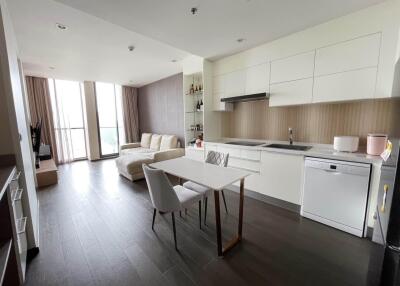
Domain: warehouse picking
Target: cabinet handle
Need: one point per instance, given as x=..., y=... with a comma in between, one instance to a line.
x=383, y=206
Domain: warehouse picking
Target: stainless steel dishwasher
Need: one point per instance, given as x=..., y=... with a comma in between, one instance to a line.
x=336, y=193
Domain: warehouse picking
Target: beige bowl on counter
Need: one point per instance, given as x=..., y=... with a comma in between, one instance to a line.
x=345, y=143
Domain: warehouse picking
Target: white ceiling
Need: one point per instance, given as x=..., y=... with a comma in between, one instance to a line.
x=90, y=49
x=213, y=31
x=94, y=47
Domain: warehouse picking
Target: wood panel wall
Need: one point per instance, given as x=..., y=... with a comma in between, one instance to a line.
x=314, y=123
x=161, y=107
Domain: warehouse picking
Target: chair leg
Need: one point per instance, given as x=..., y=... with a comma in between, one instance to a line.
x=223, y=197
x=174, y=229
x=200, y=214
x=154, y=218
x=205, y=209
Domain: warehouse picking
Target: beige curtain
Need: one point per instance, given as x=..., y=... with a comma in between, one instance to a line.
x=131, y=115
x=40, y=109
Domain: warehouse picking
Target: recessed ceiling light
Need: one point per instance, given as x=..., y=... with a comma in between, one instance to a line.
x=131, y=48
x=61, y=26
x=240, y=40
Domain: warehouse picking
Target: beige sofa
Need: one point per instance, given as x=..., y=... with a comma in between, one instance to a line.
x=151, y=148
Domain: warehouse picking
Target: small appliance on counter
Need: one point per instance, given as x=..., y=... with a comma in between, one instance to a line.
x=345, y=143
x=376, y=144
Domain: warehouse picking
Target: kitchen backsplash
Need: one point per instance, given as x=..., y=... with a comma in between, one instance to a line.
x=314, y=123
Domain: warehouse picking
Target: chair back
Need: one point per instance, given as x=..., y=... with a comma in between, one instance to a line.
x=162, y=193
x=217, y=158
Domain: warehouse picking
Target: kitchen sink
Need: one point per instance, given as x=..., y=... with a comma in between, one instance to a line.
x=289, y=147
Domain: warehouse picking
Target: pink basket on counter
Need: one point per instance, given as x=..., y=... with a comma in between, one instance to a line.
x=376, y=143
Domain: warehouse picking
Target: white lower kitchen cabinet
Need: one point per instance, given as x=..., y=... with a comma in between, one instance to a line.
x=281, y=176
x=195, y=153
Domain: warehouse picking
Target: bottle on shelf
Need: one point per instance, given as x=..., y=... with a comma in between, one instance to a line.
x=201, y=105
x=191, y=89
x=200, y=87
x=198, y=106
x=196, y=89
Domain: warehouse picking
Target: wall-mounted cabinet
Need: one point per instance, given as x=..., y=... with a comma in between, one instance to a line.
x=296, y=67
x=219, y=93
x=351, y=85
x=251, y=80
x=291, y=93
x=358, y=53
x=235, y=83
x=257, y=79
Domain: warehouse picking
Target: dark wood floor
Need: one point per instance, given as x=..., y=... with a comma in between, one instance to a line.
x=95, y=229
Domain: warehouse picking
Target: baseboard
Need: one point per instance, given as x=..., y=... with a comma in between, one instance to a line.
x=267, y=199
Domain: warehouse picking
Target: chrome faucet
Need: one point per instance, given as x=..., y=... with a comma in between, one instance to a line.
x=290, y=136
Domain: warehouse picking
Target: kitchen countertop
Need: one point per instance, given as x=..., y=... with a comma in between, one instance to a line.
x=325, y=151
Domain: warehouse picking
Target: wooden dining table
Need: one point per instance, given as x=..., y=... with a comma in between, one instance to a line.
x=214, y=177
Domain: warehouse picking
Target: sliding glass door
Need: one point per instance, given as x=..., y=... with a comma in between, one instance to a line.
x=67, y=105
x=109, y=116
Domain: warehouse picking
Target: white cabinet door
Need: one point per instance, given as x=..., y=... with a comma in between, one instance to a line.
x=291, y=92
x=281, y=176
x=235, y=83
x=219, y=83
x=257, y=79
x=219, y=93
x=352, y=85
x=292, y=68
x=350, y=55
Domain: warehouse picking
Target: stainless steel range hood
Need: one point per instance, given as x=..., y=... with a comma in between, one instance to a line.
x=248, y=97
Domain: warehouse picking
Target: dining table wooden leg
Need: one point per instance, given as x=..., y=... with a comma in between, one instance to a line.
x=218, y=223
x=241, y=201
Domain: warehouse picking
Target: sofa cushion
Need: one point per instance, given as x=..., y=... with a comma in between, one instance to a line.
x=155, y=142
x=137, y=150
x=168, y=142
x=146, y=139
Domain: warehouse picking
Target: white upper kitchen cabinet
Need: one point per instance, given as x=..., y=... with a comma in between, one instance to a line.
x=291, y=93
x=351, y=85
x=235, y=83
x=362, y=52
x=219, y=93
x=257, y=79
x=293, y=68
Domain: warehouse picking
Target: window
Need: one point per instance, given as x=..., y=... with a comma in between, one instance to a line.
x=67, y=104
x=109, y=116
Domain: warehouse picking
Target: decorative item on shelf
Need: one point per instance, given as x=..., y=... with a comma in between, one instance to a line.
x=196, y=89
x=191, y=91
x=199, y=141
x=198, y=106
x=201, y=105
x=200, y=87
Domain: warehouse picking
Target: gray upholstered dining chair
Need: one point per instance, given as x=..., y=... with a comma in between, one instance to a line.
x=167, y=198
x=215, y=158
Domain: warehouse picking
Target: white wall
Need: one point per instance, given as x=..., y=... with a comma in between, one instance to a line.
x=12, y=96
x=384, y=18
